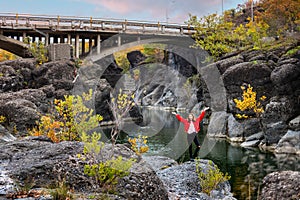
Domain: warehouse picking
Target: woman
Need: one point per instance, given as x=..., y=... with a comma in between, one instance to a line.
x=192, y=127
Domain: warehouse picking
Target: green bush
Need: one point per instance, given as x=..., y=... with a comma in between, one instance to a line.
x=106, y=174
x=210, y=180
x=38, y=51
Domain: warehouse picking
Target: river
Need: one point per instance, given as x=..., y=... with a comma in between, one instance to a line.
x=247, y=167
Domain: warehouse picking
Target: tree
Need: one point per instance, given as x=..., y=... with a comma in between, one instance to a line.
x=212, y=34
x=280, y=15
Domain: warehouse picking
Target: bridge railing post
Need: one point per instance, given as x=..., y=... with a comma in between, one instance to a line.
x=17, y=18
x=3, y=21
x=91, y=22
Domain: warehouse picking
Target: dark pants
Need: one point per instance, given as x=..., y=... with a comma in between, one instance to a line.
x=193, y=137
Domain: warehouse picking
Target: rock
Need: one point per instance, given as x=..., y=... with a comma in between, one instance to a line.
x=159, y=162
x=182, y=182
x=252, y=143
x=286, y=78
x=235, y=129
x=258, y=75
x=258, y=57
x=257, y=136
x=108, y=69
x=22, y=109
x=35, y=96
x=135, y=58
x=285, y=61
x=218, y=124
x=224, y=64
x=289, y=143
x=102, y=97
x=5, y=135
x=10, y=80
x=280, y=108
x=59, y=73
x=238, y=130
x=277, y=114
x=281, y=185
x=294, y=124
x=274, y=132
x=22, y=113
x=48, y=162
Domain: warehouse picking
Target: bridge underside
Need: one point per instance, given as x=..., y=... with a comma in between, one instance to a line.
x=14, y=46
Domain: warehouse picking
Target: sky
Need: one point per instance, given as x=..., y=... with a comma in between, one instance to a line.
x=172, y=11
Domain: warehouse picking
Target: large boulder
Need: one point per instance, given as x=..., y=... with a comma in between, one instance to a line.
x=21, y=113
x=294, y=124
x=258, y=75
x=59, y=73
x=277, y=114
x=102, y=98
x=182, y=181
x=289, y=143
x=46, y=163
x=286, y=78
x=224, y=64
x=218, y=124
x=239, y=130
x=22, y=108
x=281, y=185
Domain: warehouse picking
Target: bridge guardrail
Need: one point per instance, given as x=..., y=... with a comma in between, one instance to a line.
x=91, y=24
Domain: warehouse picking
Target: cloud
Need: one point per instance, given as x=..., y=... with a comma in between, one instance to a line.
x=175, y=10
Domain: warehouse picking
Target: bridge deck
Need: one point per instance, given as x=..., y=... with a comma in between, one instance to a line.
x=89, y=24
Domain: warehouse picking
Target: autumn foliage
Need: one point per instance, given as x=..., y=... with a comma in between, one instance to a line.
x=249, y=102
x=280, y=15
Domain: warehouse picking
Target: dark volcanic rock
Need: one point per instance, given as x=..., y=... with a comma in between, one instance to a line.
x=223, y=65
x=182, y=182
x=135, y=58
x=286, y=78
x=281, y=185
x=258, y=75
x=289, y=143
x=102, y=97
x=20, y=112
x=47, y=163
x=276, y=116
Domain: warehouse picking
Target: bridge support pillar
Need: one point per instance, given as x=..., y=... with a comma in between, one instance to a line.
x=47, y=39
x=119, y=41
x=55, y=39
x=90, y=44
x=69, y=39
x=24, y=36
x=77, y=46
x=82, y=46
x=62, y=39
x=98, y=43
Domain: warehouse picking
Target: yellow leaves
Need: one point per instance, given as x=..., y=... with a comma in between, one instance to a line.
x=5, y=55
x=249, y=102
x=139, y=144
x=69, y=120
x=2, y=119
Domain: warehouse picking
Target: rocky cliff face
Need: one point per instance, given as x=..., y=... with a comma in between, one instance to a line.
x=273, y=73
x=27, y=90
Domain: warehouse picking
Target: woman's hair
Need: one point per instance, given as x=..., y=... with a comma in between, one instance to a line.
x=194, y=119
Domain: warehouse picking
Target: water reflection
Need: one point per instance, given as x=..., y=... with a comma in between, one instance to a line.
x=247, y=167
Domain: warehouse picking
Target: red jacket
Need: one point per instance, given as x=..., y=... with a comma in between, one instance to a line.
x=187, y=124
